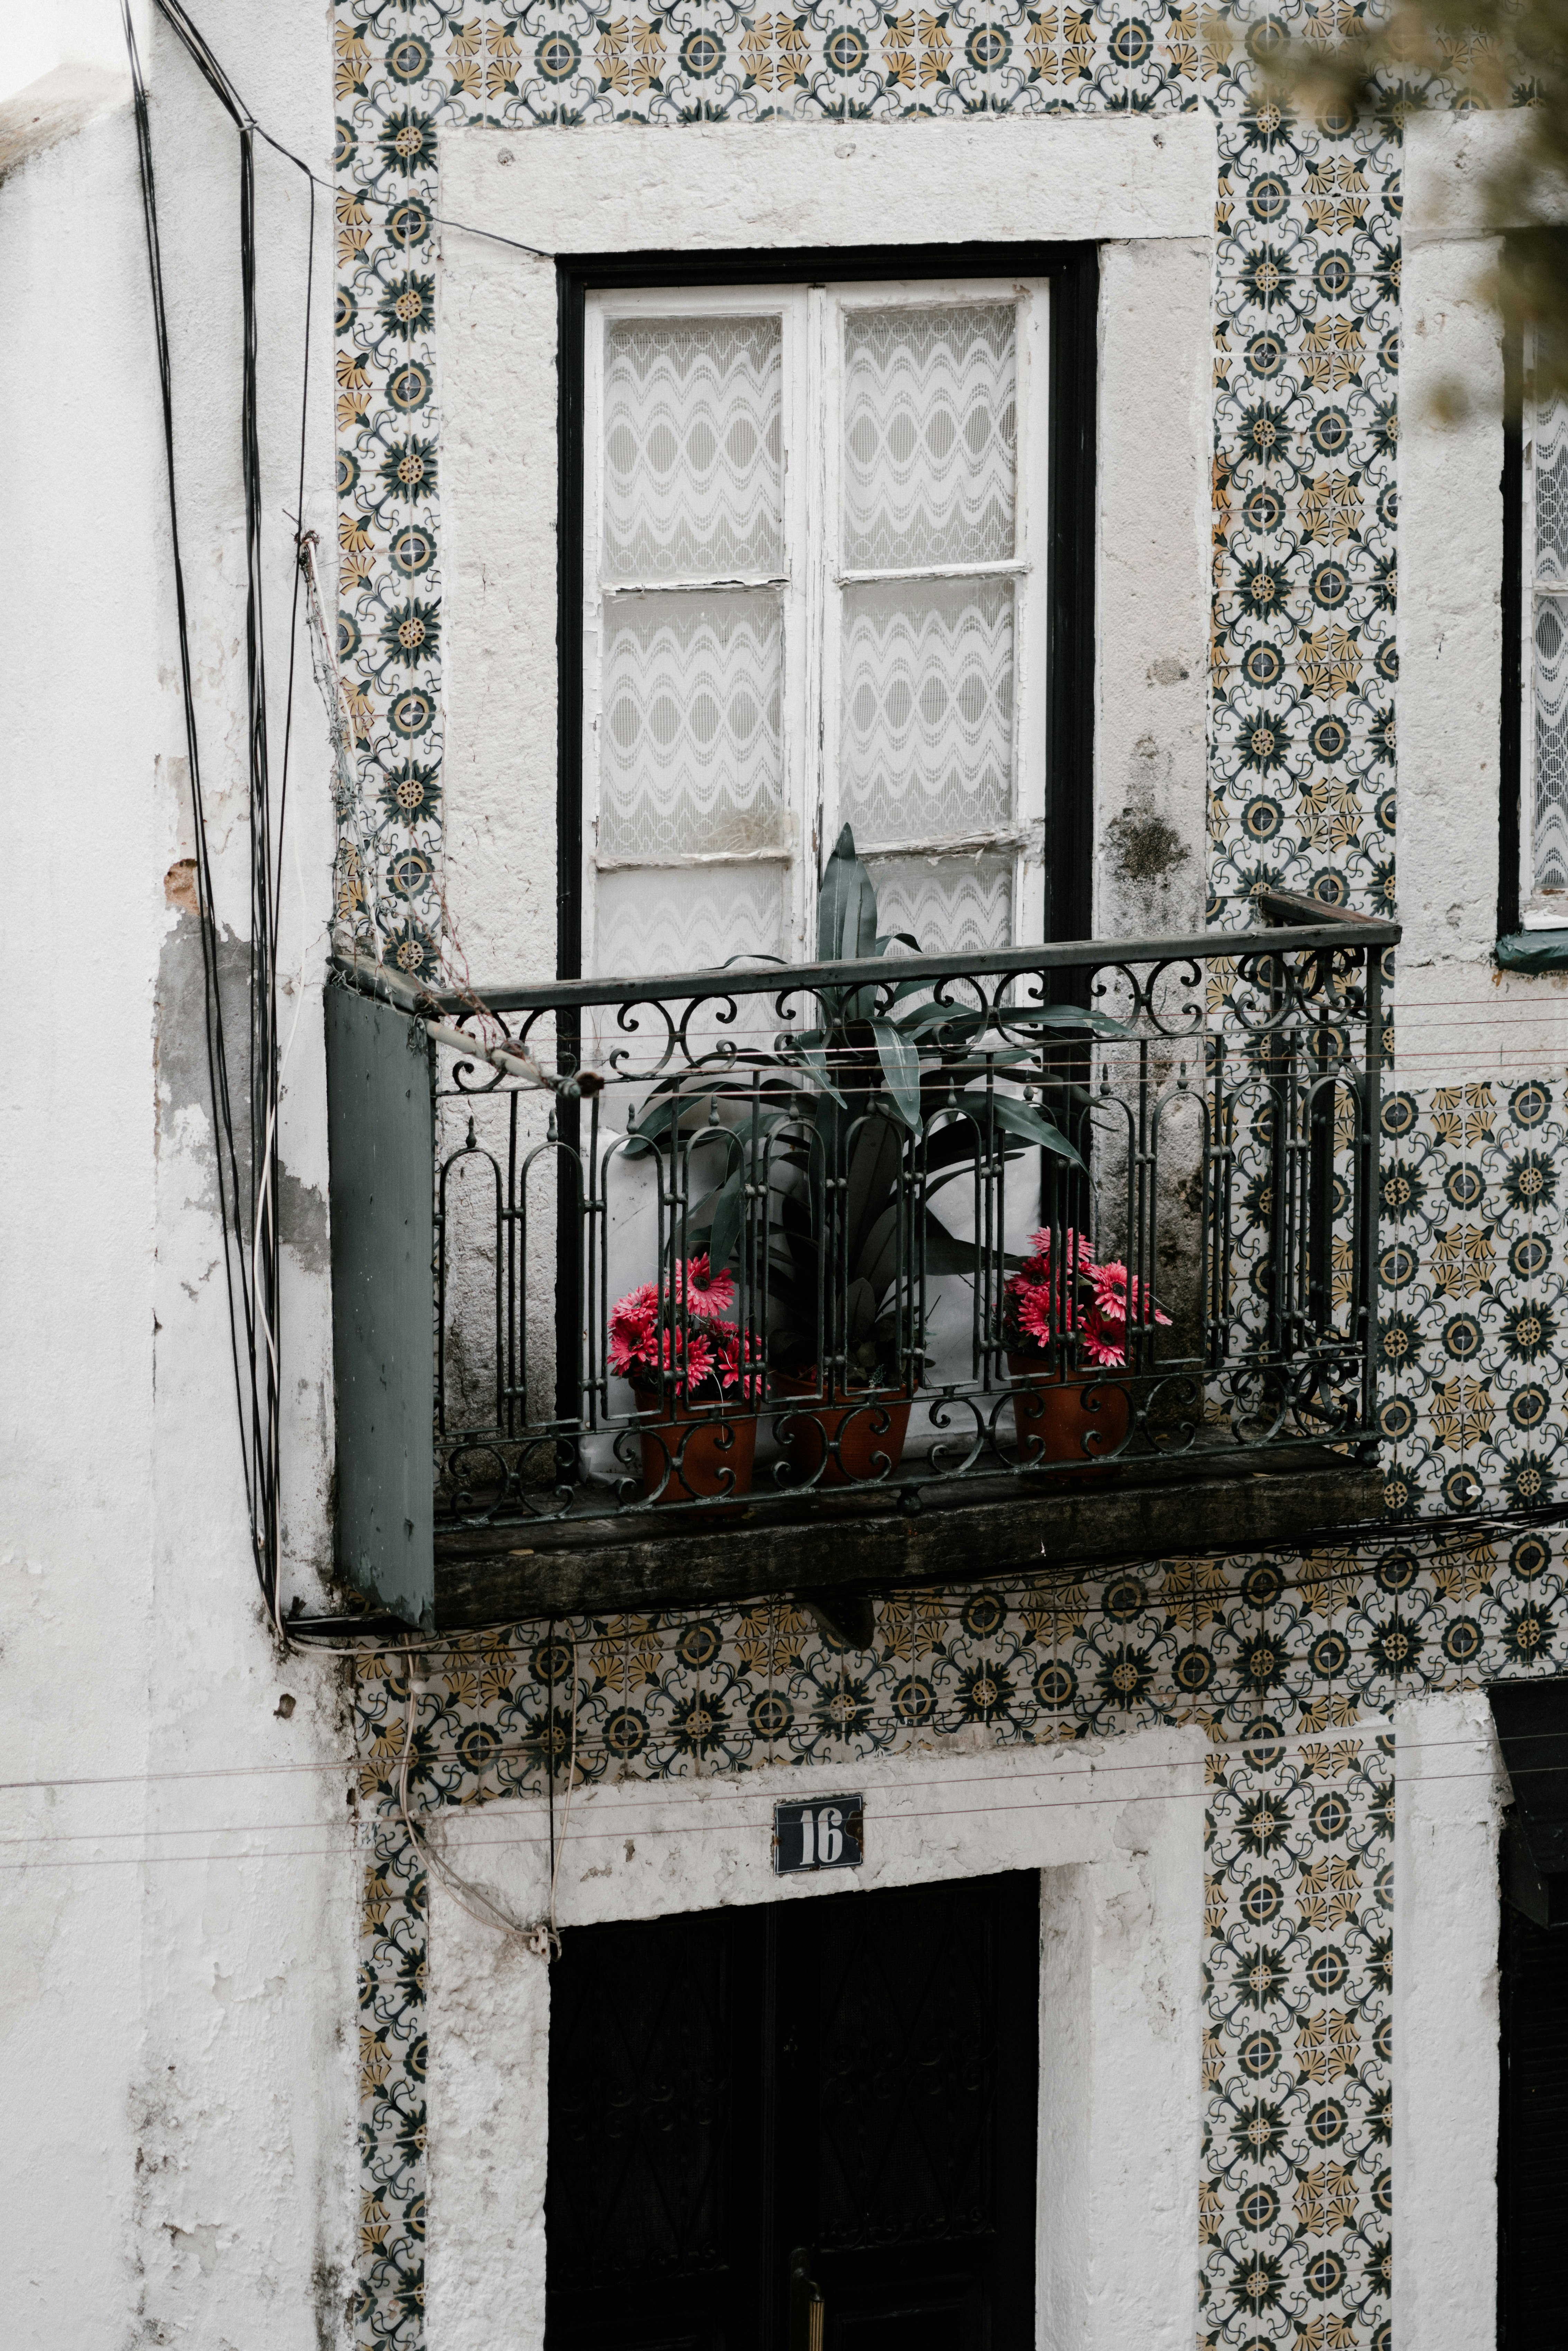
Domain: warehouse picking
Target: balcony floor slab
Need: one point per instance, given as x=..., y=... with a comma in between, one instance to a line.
x=868, y=1542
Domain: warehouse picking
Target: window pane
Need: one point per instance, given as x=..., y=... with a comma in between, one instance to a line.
x=930, y=436
x=692, y=449
x=1550, y=833
x=689, y=919
x=926, y=741
x=953, y=904
x=1551, y=491
x=691, y=756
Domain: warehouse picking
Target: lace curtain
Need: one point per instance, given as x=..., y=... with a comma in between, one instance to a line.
x=930, y=436
x=1548, y=832
x=693, y=665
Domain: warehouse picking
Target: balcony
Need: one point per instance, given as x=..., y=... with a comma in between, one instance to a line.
x=896, y=1269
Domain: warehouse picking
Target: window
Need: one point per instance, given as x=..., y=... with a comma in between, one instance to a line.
x=815, y=592
x=1543, y=656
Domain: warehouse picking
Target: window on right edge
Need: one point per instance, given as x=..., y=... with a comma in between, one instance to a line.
x=1543, y=661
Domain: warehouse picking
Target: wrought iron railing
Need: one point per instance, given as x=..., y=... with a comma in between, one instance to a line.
x=1022, y=1215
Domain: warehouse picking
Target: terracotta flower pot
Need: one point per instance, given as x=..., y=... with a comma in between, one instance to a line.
x=693, y=1456
x=1056, y=1422
x=870, y=1435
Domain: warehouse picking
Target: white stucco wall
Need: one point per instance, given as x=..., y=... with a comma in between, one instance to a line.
x=176, y=2032
x=1116, y=1828
x=1145, y=188
x=1452, y=1790
x=1459, y=1016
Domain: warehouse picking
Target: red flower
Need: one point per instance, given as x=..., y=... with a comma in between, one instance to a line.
x=712, y=1294
x=1079, y=1253
x=683, y=1329
x=1035, y=1308
x=1121, y=1297
x=1034, y=1295
x=1102, y=1342
x=1099, y=1319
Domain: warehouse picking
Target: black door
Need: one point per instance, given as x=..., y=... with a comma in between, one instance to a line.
x=854, y=2074
x=1533, y=2166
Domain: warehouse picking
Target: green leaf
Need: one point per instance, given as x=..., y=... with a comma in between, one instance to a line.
x=846, y=906
x=901, y=1068
x=728, y=1220
x=872, y=1177
x=1022, y=1118
x=877, y=1262
x=810, y=1059
x=966, y=1168
x=959, y=1021
x=860, y=1313
x=1060, y=1016
x=945, y=1253
x=655, y=1122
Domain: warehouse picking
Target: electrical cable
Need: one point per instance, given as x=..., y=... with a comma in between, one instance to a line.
x=541, y=1939
x=224, y=89
x=231, y=1220
x=251, y=1265
x=686, y=1829
x=1257, y=1746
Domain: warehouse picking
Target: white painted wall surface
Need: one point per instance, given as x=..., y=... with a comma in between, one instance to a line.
x=1116, y=1828
x=1152, y=587
x=175, y=2033
x=1452, y=1790
x=62, y=65
x=1459, y=1016
x=1146, y=187
x=177, y=2022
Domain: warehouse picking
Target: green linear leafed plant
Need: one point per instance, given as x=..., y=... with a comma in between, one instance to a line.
x=846, y=1132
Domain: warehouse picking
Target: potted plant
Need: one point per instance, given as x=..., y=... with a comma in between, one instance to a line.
x=691, y=1369
x=1064, y=1324
x=847, y=1131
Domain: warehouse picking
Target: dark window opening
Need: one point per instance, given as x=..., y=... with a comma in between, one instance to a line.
x=850, y=2076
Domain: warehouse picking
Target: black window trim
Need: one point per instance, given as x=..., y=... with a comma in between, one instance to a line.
x=1510, y=744
x=1074, y=270
x=1516, y=949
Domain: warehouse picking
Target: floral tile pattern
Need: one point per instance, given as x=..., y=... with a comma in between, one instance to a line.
x=1289, y=1662
x=1281, y=1660
x=1306, y=363
x=1472, y=1285
x=1295, y=2208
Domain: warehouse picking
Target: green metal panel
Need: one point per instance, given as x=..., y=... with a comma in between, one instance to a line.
x=380, y=1139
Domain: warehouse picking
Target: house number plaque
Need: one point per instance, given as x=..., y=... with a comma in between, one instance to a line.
x=827, y=1834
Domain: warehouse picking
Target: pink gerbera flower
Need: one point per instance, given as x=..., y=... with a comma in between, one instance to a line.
x=1103, y=1341
x=684, y=1329
x=1040, y=1304
x=1121, y=1297
x=711, y=1295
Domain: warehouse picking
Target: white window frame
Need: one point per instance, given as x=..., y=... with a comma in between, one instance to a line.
x=814, y=582
x=1539, y=910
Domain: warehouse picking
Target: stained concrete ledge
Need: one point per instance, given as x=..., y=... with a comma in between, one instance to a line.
x=851, y=1544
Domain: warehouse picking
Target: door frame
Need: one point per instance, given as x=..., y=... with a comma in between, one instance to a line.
x=1115, y=1828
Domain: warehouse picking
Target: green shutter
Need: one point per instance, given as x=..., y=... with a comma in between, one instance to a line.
x=380, y=1141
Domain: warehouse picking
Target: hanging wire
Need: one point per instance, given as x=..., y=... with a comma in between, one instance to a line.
x=231, y=1201
x=249, y=1210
